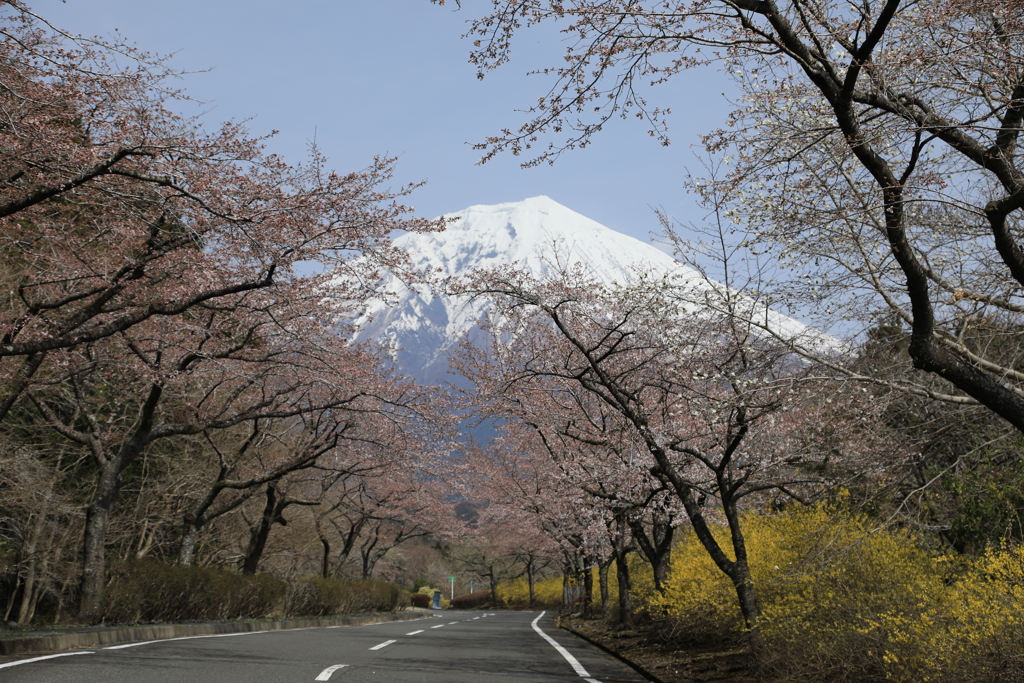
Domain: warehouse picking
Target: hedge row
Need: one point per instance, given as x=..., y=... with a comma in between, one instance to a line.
x=474, y=600
x=318, y=597
x=147, y=590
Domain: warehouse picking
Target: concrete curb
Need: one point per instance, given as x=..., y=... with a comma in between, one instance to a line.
x=117, y=636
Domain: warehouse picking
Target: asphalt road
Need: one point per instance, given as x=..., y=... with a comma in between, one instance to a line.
x=447, y=647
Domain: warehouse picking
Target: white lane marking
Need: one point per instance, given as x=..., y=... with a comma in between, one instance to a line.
x=325, y=675
x=39, y=659
x=164, y=640
x=562, y=651
x=167, y=640
x=414, y=632
x=452, y=622
x=475, y=618
x=438, y=626
x=384, y=644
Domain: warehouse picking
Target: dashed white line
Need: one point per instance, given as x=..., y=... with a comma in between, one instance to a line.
x=475, y=618
x=573, y=662
x=39, y=659
x=438, y=626
x=414, y=632
x=384, y=644
x=452, y=622
x=325, y=675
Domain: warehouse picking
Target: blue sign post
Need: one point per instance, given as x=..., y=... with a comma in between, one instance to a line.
x=437, y=600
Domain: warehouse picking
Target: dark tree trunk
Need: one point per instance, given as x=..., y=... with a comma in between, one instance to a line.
x=657, y=547
x=588, y=591
x=493, y=579
x=29, y=593
x=325, y=560
x=260, y=533
x=94, y=563
x=97, y=516
x=620, y=547
x=625, y=620
x=530, y=581
x=602, y=572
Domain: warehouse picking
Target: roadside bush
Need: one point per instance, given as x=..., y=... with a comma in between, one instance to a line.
x=843, y=600
x=421, y=600
x=972, y=630
x=319, y=597
x=547, y=592
x=475, y=600
x=147, y=590
x=152, y=591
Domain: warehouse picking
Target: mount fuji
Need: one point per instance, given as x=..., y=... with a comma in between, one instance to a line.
x=535, y=234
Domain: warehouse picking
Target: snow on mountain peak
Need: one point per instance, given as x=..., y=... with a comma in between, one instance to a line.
x=534, y=233
x=538, y=234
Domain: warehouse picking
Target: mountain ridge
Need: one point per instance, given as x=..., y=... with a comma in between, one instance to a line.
x=538, y=234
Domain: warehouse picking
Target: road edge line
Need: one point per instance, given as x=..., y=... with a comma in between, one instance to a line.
x=573, y=662
x=39, y=659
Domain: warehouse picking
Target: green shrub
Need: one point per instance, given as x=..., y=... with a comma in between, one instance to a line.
x=474, y=600
x=147, y=590
x=319, y=597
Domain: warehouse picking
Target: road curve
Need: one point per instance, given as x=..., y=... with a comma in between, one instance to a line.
x=446, y=647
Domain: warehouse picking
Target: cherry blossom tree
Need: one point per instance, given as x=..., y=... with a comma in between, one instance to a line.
x=369, y=512
x=716, y=411
x=161, y=279
x=873, y=151
x=534, y=495
x=260, y=361
x=265, y=453
x=115, y=210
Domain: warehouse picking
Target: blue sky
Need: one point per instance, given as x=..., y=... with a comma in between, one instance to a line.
x=376, y=77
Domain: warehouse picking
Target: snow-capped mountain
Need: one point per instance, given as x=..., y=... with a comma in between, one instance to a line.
x=538, y=234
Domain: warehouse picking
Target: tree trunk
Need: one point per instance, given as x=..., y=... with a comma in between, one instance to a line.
x=369, y=563
x=27, y=607
x=737, y=570
x=530, y=581
x=492, y=577
x=186, y=553
x=602, y=572
x=657, y=547
x=742, y=578
x=620, y=542
x=260, y=533
x=94, y=562
x=625, y=591
x=325, y=560
x=588, y=592
x=97, y=516
x=11, y=598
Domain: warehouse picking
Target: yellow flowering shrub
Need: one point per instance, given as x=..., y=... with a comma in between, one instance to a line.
x=972, y=630
x=548, y=592
x=844, y=600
